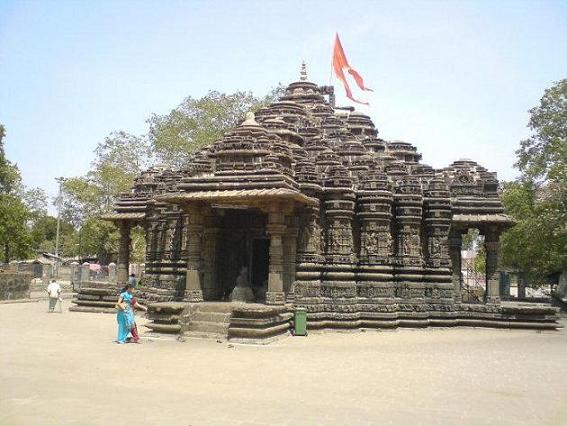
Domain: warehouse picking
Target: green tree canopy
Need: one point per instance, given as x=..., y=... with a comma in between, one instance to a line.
x=118, y=160
x=9, y=174
x=542, y=158
x=199, y=122
x=14, y=215
x=537, y=245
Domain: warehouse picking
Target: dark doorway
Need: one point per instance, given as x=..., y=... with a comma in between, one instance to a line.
x=260, y=267
x=240, y=244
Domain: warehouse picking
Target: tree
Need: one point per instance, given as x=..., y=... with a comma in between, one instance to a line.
x=9, y=174
x=118, y=160
x=199, y=122
x=44, y=235
x=537, y=245
x=542, y=158
x=14, y=233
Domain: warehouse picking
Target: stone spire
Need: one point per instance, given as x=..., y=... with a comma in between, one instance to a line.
x=303, y=72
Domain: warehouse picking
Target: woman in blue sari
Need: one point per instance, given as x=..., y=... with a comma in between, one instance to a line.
x=125, y=315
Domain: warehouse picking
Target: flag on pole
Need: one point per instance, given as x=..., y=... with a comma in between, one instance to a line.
x=340, y=63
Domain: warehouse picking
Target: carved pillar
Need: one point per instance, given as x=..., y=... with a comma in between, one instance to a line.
x=409, y=211
x=290, y=252
x=455, y=244
x=193, y=288
x=375, y=215
x=123, y=253
x=211, y=289
x=492, y=276
x=437, y=214
x=275, y=229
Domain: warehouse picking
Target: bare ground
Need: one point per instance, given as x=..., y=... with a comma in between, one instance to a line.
x=64, y=369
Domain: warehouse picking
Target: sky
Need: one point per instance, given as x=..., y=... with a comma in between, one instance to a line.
x=454, y=78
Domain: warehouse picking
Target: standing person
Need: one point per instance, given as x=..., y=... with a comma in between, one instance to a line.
x=132, y=280
x=125, y=316
x=53, y=292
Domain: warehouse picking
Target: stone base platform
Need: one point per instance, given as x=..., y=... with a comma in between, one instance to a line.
x=97, y=297
x=236, y=322
x=510, y=315
x=164, y=317
x=256, y=323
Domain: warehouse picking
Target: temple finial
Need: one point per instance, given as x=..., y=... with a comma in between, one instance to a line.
x=303, y=72
x=250, y=120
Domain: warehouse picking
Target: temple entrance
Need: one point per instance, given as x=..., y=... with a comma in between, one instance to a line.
x=242, y=254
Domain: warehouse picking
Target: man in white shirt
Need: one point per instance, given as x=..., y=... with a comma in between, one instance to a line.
x=53, y=291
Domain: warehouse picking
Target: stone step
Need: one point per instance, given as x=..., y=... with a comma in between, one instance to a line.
x=220, y=317
x=224, y=307
x=208, y=327
x=164, y=328
x=204, y=335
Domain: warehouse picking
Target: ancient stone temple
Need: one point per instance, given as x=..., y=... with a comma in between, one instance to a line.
x=310, y=208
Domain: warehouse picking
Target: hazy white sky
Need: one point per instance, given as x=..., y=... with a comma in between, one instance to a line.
x=455, y=78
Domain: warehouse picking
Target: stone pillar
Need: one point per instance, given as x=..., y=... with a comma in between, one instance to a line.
x=123, y=253
x=85, y=274
x=275, y=229
x=112, y=272
x=75, y=275
x=290, y=252
x=211, y=289
x=492, y=276
x=521, y=285
x=455, y=245
x=193, y=287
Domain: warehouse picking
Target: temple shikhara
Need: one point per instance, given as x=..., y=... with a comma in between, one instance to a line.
x=303, y=205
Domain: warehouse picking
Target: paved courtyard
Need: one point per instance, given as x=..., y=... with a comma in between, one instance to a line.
x=64, y=369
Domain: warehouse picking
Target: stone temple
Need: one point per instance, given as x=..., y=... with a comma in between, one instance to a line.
x=308, y=207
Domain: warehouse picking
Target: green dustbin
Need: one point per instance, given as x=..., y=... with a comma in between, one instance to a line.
x=300, y=322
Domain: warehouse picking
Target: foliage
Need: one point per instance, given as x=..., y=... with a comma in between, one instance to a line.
x=118, y=160
x=14, y=215
x=100, y=238
x=44, y=235
x=199, y=122
x=470, y=239
x=35, y=200
x=537, y=245
x=479, y=264
x=9, y=174
x=543, y=156
x=14, y=235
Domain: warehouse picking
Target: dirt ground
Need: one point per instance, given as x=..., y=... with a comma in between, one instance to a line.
x=64, y=369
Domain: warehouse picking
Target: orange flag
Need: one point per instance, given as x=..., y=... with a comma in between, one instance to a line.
x=340, y=63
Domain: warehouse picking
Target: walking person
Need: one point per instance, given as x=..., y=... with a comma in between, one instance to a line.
x=125, y=316
x=53, y=293
x=133, y=281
